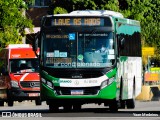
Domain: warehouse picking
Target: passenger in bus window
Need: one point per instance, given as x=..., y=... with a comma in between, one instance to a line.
x=103, y=49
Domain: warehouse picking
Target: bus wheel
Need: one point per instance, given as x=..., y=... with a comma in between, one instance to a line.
x=20, y=101
x=10, y=103
x=77, y=107
x=38, y=102
x=53, y=108
x=67, y=108
x=1, y=103
x=122, y=104
x=130, y=103
x=113, y=106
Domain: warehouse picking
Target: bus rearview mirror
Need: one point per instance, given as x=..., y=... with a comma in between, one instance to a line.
x=122, y=42
x=35, y=43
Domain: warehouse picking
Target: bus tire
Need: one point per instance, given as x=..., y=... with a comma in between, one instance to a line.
x=122, y=102
x=53, y=108
x=131, y=102
x=10, y=103
x=113, y=106
x=38, y=102
x=67, y=107
x=77, y=107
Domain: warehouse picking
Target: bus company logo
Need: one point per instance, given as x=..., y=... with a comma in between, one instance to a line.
x=76, y=82
x=65, y=81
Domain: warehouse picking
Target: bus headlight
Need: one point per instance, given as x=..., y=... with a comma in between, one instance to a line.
x=107, y=82
x=48, y=83
x=14, y=84
x=43, y=80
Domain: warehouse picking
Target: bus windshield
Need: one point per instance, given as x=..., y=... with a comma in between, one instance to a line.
x=92, y=49
x=24, y=65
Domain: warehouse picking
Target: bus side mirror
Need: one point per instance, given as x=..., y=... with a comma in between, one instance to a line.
x=35, y=43
x=121, y=42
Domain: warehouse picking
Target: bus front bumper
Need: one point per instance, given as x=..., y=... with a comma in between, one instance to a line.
x=107, y=93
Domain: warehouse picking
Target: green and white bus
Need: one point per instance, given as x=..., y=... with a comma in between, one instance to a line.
x=75, y=70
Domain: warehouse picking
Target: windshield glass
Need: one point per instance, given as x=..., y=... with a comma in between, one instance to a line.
x=24, y=65
x=92, y=49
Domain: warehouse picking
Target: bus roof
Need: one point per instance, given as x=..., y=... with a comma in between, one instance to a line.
x=128, y=21
x=97, y=12
x=92, y=13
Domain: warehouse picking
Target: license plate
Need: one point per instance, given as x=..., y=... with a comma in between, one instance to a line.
x=33, y=94
x=76, y=92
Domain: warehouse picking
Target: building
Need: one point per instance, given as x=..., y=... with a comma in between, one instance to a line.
x=37, y=9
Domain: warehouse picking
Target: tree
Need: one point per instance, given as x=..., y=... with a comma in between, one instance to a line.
x=146, y=11
x=12, y=21
x=70, y=5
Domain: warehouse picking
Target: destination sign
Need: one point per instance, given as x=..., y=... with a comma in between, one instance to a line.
x=78, y=21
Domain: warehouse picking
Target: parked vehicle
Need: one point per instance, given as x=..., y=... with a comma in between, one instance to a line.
x=19, y=75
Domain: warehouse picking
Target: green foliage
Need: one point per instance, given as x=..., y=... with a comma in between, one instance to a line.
x=88, y=4
x=59, y=10
x=12, y=21
x=146, y=11
x=111, y=5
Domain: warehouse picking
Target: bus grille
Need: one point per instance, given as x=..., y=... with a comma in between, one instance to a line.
x=86, y=91
x=28, y=84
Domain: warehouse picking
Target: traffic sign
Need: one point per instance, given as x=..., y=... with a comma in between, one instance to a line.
x=146, y=51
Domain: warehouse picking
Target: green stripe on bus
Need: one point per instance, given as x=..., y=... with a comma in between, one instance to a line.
x=50, y=78
x=123, y=58
x=112, y=73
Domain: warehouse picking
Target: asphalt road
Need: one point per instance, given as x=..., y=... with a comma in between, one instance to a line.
x=28, y=110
